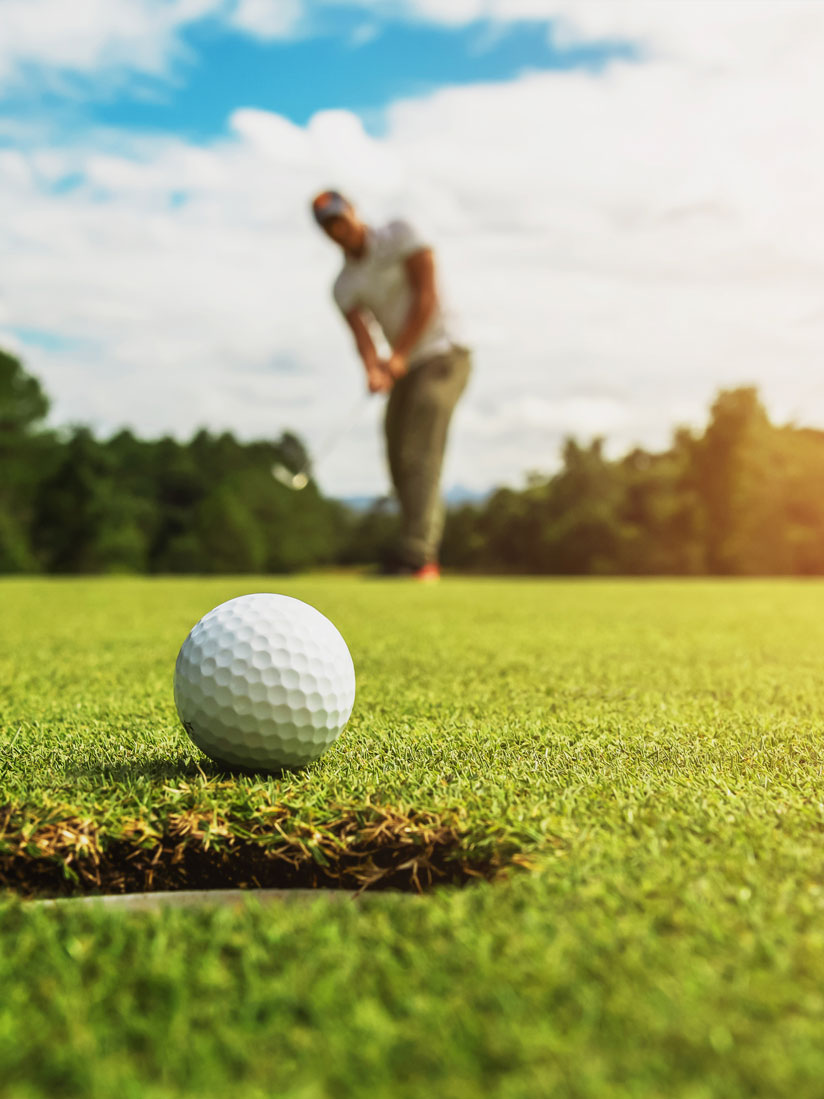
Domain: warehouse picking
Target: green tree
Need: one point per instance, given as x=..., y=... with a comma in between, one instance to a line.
x=84, y=521
x=662, y=511
x=26, y=455
x=23, y=404
x=732, y=475
x=228, y=537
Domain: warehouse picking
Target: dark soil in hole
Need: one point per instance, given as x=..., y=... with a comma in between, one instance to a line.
x=410, y=853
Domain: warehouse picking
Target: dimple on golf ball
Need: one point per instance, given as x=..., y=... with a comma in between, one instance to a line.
x=264, y=682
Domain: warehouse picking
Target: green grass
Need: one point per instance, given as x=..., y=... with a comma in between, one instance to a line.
x=652, y=749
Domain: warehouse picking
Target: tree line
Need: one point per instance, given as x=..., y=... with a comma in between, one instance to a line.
x=72, y=503
x=743, y=496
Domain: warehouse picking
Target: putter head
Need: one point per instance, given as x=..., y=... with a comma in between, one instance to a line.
x=295, y=481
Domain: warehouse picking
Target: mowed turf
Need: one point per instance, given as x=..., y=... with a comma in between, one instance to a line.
x=637, y=763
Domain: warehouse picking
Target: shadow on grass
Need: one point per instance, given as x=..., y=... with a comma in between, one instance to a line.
x=167, y=770
x=127, y=772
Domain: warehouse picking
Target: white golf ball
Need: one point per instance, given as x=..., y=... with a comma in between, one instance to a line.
x=264, y=682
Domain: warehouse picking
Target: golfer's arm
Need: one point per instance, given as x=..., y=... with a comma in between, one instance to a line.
x=363, y=340
x=420, y=271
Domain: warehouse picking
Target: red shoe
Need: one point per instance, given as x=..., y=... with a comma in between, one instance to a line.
x=428, y=573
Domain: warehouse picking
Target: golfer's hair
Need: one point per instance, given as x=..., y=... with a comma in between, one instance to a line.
x=330, y=198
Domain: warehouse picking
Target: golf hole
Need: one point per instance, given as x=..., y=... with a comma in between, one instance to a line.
x=364, y=851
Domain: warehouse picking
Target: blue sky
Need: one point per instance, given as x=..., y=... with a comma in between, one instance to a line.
x=333, y=69
x=624, y=200
x=339, y=59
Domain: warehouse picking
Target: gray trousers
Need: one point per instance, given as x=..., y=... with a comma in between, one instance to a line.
x=418, y=412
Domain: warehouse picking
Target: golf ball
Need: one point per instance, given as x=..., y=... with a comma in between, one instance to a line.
x=264, y=682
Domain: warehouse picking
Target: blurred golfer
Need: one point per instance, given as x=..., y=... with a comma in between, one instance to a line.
x=388, y=277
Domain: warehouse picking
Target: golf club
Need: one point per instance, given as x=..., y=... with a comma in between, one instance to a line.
x=299, y=479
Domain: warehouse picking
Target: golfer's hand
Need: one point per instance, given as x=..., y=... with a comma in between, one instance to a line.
x=379, y=380
x=397, y=366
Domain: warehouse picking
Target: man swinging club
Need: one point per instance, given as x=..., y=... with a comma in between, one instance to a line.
x=388, y=276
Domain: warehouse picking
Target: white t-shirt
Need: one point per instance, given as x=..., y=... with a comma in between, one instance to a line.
x=378, y=282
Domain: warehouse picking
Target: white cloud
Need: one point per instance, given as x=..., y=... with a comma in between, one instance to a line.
x=710, y=34
x=95, y=39
x=106, y=44
x=364, y=34
x=619, y=246
x=266, y=19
